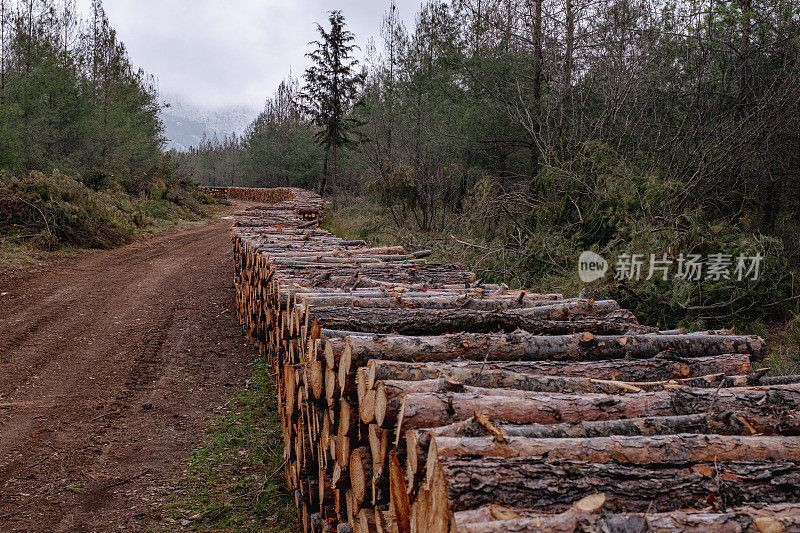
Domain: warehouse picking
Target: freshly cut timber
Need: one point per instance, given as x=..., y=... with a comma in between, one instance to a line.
x=522, y=346
x=267, y=196
x=577, y=316
x=415, y=397
x=587, y=515
x=504, y=379
x=663, y=449
x=434, y=300
x=388, y=399
x=727, y=423
x=427, y=410
x=529, y=481
x=659, y=368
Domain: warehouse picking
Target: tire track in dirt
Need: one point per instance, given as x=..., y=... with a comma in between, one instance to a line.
x=86, y=346
x=149, y=361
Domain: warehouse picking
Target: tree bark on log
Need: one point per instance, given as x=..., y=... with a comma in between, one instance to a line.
x=658, y=368
x=426, y=410
x=666, y=449
x=530, y=482
x=432, y=301
x=475, y=293
x=777, y=517
x=522, y=346
x=728, y=423
x=602, y=318
x=449, y=377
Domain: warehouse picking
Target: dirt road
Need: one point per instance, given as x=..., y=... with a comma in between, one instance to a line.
x=111, y=365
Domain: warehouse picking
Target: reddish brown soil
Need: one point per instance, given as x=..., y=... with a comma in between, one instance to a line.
x=111, y=365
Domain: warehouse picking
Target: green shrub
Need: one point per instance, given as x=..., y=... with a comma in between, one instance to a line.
x=532, y=237
x=57, y=209
x=54, y=210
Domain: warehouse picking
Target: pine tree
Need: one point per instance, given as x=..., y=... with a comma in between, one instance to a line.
x=3, y=51
x=332, y=85
x=394, y=39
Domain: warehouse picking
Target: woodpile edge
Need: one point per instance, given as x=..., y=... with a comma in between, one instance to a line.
x=413, y=397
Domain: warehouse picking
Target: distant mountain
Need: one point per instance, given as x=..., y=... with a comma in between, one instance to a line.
x=185, y=123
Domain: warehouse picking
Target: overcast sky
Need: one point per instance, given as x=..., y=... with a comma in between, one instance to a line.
x=220, y=52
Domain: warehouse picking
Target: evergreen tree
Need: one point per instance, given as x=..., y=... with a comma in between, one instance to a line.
x=332, y=84
x=70, y=98
x=279, y=147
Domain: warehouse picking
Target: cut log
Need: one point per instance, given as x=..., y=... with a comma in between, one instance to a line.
x=432, y=301
x=457, y=439
x=666, y=449
x=502, y=379
x=400, y=505
x=425, y=410
x=385, y=521
x=316, y=378
x=552, y=320
x=728, y=423
x=779, y=380
x=378, y=446
x=521, y=346
x=529, y=481
x=360, y=474
x=659, y=368
x=365, y=522
x=657, y=419
x=769, y=518
x=389, y=395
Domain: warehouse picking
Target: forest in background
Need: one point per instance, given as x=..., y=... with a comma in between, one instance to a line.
x=81, y=160
x=514, y=134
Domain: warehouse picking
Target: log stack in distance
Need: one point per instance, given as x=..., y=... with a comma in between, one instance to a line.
x=415, y=398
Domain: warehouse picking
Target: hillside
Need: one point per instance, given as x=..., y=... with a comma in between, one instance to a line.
x=185, y=123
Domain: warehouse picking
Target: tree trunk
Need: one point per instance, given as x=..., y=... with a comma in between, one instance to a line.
x=522, y=346
x=334, y=169
x=528, y=481
x=537, y=85
x=324, y=183
x=569, y=44
x=658, y=368
x=553, y=319
x=497, y=518
x=2, y=52
x=537, y=50
x=729, y=423
x=427, y=410
x=661, y=449
x=741, y=95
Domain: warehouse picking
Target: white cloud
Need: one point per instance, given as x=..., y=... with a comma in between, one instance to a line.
x=222, y=52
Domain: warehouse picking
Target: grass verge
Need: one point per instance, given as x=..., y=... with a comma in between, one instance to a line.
x=17, y=255
x=235, y=479
x=42, y=213
x=784, y=348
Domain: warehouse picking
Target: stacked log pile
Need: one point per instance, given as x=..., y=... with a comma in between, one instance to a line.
x=414, y=397
x=267, y=196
